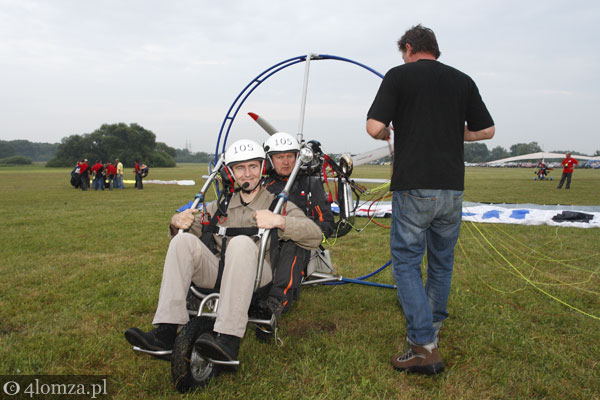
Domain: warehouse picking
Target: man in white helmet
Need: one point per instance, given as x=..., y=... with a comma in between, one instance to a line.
x=307, y=193
x=189, y=259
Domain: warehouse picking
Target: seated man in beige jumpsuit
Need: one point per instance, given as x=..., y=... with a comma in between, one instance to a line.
x=189, y=260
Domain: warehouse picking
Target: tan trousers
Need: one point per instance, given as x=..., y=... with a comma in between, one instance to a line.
x=189, y=260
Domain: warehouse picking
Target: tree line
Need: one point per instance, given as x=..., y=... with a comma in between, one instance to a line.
x=125, y=142
x=478, y=152
x=24, y=151
x=132, y=142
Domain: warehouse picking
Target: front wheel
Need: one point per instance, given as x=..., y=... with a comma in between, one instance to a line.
x=188, y=368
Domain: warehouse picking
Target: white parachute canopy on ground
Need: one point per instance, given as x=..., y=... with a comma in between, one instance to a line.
x=539, y=156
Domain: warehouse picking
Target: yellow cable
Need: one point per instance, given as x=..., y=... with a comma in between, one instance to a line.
x=531, y=282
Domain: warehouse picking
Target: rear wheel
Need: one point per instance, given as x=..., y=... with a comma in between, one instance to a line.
x=188, y=368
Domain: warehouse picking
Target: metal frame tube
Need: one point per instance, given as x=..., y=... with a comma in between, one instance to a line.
x=303, y=100
x=200, y=195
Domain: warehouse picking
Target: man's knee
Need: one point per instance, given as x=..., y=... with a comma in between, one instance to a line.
x=243, y=245
x=183, y=240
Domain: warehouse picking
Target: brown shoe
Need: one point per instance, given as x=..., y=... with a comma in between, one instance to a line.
x=419, y=360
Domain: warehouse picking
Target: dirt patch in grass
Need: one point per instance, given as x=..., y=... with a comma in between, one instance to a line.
x=302, y=329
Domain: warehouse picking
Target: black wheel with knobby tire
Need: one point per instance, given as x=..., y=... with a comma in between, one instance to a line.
x=188, y=368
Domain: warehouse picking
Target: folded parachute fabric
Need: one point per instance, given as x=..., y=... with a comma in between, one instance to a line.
x=173, y=182
x=533, y=214
x=573, y=216
x=520, y=214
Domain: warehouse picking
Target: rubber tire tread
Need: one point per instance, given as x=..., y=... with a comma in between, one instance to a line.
x=182, y=349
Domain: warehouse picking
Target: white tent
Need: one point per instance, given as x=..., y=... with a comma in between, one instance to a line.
x=541, y=155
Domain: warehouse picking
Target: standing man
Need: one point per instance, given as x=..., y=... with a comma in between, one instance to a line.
x=98, y=169
x=137, y=170
x=84, y=174
x=119, y=176
x=434, y=108
x=111, y=173
x=568, y=163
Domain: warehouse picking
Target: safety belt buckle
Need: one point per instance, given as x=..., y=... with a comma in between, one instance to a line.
x=222, y=231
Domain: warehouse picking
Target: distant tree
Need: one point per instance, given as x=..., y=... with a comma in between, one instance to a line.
x=476, y=152
x=163, y=148
x=6, y=150
x=524, y=148
x=185, y=156
x=498, y=153
x=597, y=153
x=125, y=142
x=25, y=148
x=15, y=160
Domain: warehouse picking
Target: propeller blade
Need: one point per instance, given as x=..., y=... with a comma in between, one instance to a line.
x=366, y=157
x=270, y=129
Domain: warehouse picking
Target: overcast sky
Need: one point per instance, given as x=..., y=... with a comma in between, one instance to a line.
x=175, y=67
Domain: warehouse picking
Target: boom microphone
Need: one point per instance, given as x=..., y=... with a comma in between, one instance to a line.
x=245, y=185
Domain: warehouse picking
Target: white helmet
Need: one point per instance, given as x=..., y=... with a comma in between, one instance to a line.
x=281, y=142
x=243, y=150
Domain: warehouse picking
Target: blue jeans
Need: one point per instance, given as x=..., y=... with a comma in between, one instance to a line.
x=98, y=183
x=118, y=182
x=424, y=219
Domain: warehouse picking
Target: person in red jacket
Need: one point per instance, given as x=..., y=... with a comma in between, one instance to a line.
x=568, y=163
x=111, y=172
x=84, y=173
x=98, y=170
x=137, y=170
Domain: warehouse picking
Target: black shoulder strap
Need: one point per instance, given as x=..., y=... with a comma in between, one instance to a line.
x=207, y=234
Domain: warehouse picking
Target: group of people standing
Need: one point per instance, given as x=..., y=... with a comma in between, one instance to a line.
x=110, y=175
x=101, y=175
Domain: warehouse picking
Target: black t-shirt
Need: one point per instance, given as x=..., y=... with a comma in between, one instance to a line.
x=429, y=103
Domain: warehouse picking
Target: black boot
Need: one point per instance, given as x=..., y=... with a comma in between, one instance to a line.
x=265, y=332
x=158, y=339
x=218, y=346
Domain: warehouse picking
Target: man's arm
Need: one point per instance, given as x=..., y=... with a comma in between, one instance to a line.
x=378, y=130
x=296, y=226
x=484, y=134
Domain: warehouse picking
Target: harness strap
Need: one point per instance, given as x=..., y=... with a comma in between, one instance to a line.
x=221, y=264
x=231, y=231
x=226, y=232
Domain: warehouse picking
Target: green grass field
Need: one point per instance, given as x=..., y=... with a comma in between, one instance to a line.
x=78, y=268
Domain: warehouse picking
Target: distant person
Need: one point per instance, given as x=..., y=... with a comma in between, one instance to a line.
x=568, y=164
x=119, y=176
x=97, y=170
x=542, y=169
x=84, y=174
x=75, y=177
x=144, y=169
x=434, y=109
x=111, y=173
x=137, y=170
